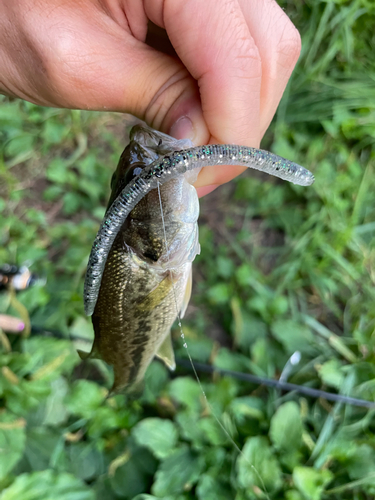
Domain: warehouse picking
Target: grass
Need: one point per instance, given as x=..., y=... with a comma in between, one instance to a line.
x=290, y=269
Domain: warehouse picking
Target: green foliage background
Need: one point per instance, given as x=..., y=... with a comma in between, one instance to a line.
x=282, y=268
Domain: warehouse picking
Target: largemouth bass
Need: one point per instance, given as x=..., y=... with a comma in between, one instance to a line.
x=139, y=273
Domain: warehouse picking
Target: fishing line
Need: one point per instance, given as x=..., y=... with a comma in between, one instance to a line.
x=209, y=406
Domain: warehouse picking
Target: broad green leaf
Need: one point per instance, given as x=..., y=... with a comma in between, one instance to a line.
x=85, y=398
x=55, y=411
x=27, y=395
x=229, y=360
x=212, y=431
x=225, y=267
x=311, y=482
x=37, y=296
x=58, y=172
x=72, y=202
x=247, y=407
x=185, y=390
x=292, y=335
x=10, y=115
x=178, y=473
x=293, y=495
x=257, y=466
x=49, y=357
x=44, y=449
x=189, y=428
x=211, y=488
x=362, y=462
x=200, y=348
x=12, y=442
x=86, y=461
x=244, y=273
x=54, y=132
x=246, y=327
x=53, y=192
x=102, y=488
x=144, y=496
x=135, y=475
x=261, y=355
x=20, y=145
x=156, y=378
x=158, y=435
x=47, y=485
x=331, y=373
x=105, y=418
x=286, y=427
x=219, y=294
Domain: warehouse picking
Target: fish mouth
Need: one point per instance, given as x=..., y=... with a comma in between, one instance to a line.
x=145, y=147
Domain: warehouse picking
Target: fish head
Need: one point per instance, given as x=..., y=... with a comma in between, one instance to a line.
x=162, y=229
x=145, y=147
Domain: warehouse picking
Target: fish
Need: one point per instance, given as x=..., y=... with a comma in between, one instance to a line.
x=139, y=274
x=147, y=279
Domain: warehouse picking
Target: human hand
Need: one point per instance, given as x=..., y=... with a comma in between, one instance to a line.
x=235, y=58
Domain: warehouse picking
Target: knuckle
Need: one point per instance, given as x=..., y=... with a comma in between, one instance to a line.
x=246, y=62
x=289, y=44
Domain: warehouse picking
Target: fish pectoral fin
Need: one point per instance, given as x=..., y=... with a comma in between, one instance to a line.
x=187, y=294
x=83, y=354
x=157, y=295
x=93, y=354
x=166, y=353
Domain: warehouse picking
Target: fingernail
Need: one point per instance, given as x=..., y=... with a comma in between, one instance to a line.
x=11, y=324
x=202, y=191
x=182, y=129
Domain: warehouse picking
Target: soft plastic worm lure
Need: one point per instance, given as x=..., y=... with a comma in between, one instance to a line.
x=161, y=171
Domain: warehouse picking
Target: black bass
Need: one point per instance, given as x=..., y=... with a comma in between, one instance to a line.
x=147, y=277
x=138, y=278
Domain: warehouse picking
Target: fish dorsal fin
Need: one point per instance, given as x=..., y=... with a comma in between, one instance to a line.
x=166, y=353
x=187, y=294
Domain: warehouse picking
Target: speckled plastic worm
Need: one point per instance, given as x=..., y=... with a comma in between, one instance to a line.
x=161, y=171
